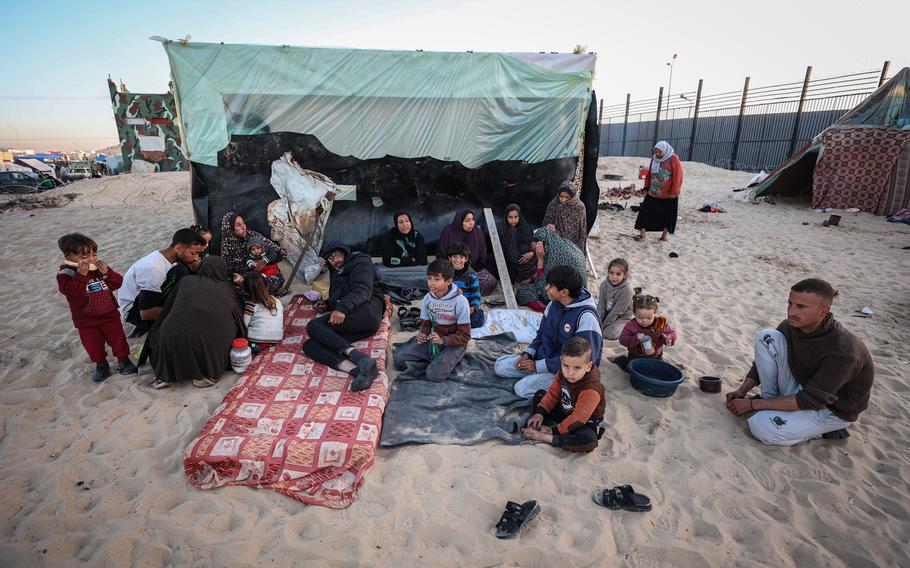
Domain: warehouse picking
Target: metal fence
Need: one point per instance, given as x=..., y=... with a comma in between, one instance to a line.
x=753, y=129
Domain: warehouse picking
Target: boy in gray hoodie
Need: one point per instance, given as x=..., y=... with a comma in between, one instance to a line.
x=614, y=299
x=445, y=326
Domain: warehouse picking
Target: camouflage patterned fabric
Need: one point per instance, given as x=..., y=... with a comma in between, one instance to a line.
x=150, y=116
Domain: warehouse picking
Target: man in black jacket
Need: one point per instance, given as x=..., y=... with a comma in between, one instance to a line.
x=355, y=306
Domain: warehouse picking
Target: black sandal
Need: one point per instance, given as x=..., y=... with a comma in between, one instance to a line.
x=402, y=317
x=622, y=497
x=516, y=516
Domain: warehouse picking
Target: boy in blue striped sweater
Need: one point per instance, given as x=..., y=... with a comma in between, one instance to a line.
x=466, y=280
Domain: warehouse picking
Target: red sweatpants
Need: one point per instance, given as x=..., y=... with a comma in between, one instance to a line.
x=93, y=339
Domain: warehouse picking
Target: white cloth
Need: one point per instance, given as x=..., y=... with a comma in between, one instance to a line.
x=778, y=427
x=667, y=150
x=522, y=323
x=263, y=326
x=147, y=273
x=529, y=384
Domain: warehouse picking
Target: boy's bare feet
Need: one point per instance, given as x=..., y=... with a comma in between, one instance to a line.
x=542, y=435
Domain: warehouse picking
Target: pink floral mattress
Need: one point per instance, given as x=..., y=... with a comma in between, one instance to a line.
x=293, y=425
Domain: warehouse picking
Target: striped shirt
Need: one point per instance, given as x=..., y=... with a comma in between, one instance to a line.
x=466, y=280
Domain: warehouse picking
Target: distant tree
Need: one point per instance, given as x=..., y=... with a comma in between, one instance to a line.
x=579, y=48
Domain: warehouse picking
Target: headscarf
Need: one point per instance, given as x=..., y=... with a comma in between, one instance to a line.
x=569, y=218
x=210, y=291
x=515, y=240
x=395, y=223
x=557, y=251
x=667, y=150
x=234, y=252
x=408, y=240
x=454, y=233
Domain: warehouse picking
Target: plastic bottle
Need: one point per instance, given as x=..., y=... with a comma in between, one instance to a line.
x=241, y=355
x=647, y=345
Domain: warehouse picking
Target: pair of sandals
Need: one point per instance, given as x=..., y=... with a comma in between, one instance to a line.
x=621, y=497
x=408, y=317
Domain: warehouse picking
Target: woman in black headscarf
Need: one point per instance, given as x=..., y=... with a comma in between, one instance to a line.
x=403, y=245
x=515, y=237
x=191, y=339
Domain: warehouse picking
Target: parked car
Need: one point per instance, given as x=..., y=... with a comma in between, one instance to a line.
x=18, y=182
x=79, y=170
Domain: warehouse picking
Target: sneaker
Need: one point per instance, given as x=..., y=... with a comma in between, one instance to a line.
x=127, y=367
x=158, y=384
x=102, y=371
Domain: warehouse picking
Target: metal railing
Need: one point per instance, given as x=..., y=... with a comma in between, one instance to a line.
x=752, y=129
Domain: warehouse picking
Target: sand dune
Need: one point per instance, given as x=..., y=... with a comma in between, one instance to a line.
x=93, y=473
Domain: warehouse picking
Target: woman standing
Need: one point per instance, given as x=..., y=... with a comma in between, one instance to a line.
x=234, y=237
x=551, y=251
x=463, y=229
x=191, y=339
x=663, y=183
x=403, y=245
x=567, y=216
x=515, y=237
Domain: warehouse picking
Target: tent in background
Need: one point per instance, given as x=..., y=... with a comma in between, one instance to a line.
x=424, y=131
x=861, y=161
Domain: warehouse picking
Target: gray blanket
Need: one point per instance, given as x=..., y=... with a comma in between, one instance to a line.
x=472, y=406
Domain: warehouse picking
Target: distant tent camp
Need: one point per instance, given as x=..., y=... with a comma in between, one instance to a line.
x=425, y=131
x=861, y=161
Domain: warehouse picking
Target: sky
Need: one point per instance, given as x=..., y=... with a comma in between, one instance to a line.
x=54, y=95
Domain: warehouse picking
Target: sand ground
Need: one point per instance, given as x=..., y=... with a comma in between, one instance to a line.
x=93, y=473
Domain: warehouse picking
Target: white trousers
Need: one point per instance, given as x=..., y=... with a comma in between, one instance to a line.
x=529, y=384
x=781, y=427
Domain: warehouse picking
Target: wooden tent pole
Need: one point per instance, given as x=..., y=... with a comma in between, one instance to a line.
x=504, y=278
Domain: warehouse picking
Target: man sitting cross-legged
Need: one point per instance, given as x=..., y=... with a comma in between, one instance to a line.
x=815, y=376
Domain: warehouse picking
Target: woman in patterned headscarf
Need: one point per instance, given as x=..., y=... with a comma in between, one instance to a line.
x=234, y=237
x=567, y=216
x=551, y=251
x=663, y=183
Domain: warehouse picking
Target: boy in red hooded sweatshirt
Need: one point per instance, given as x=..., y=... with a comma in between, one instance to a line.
x=88, y=284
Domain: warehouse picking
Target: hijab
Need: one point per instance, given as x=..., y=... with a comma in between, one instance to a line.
x=455, y=233
x=569, y=218
x=515, y=240
x=395, y=224
x=557, y=251
x=667, y=150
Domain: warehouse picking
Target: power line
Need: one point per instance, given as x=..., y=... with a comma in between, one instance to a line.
x=47, y=98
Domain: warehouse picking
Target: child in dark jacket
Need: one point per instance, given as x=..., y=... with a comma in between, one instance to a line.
x=466, y=280
x=646, y=335
x=569, y=413
x=88, y=284
x=260, y=259
x=445, y=323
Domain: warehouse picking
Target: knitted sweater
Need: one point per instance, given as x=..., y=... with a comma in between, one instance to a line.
x=834, y=367
x=614, y=302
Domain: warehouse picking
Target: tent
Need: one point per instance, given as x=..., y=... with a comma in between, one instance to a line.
x=861, y=161
x=425, y=131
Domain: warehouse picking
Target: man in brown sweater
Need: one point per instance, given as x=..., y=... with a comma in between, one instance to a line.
x=815, y=376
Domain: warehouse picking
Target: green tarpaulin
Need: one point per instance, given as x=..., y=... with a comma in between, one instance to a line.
x=471, y=108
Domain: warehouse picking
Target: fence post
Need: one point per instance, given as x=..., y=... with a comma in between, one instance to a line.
x=799, y=111
x=884, y=75
x=695, y=120
x=625, y=125
x=660, y=99
x=739, y=125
